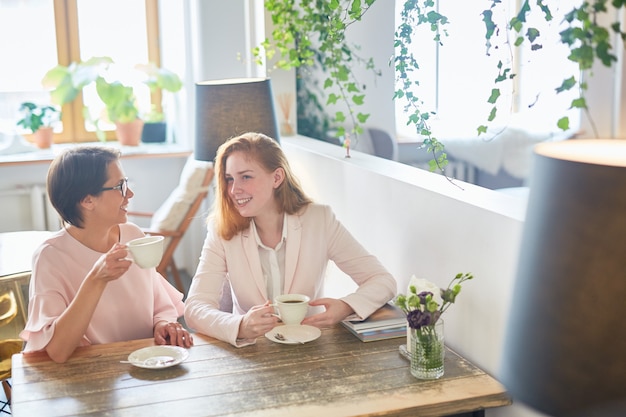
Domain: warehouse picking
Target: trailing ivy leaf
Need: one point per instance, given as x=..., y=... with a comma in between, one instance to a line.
x=579, y=103
x=492, y=114
x=358, y=99
x=340, y=117
x=495, y=94
x=332, y=98
x=566, y=85
x=362, y=117
x=516, y=25
x=523, y=11
x=481, y=129
x=563, y=123
x=547, y=15
x=605, y=56
x=532, y=34
x=489, y=24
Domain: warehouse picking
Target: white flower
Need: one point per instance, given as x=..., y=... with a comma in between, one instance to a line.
x=422, y=285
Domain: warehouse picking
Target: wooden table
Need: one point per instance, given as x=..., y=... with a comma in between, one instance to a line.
x=335, y=375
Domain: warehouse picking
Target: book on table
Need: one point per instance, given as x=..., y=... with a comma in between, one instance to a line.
x=387, y=322
x=379, y=334
x=388, y=316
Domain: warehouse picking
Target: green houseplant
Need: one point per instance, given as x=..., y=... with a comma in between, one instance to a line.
x=158, y=80
x=119, y=99
x=308, y=31
x=39, y=120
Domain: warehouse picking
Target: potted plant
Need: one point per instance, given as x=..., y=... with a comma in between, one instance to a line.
x=121, y=109
x=119, y=99
x=155, y=127
x=39, y=119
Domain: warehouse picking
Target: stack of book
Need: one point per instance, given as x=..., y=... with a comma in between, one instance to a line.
x=385, y=323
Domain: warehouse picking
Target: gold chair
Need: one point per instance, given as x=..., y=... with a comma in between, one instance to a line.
x=12, y=321
x=175, y=215
x=8, y=348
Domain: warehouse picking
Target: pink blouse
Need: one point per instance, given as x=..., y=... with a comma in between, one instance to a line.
x=128, y=308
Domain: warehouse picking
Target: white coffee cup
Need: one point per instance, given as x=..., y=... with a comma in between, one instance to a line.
x=146, y=251
x=291, y=308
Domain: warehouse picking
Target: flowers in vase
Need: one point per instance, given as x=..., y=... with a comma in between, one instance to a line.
x=425, y=302
x=424, y=305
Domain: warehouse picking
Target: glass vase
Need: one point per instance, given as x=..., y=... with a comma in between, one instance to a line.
x=427, y=351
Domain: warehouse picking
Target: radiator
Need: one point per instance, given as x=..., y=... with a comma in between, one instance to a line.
x=458, y=170
x=42, y=214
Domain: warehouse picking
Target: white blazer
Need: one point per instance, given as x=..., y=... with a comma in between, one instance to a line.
x=314, y=236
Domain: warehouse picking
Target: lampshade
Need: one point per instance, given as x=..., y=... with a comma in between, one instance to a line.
x=227, y=108
x=565, y=347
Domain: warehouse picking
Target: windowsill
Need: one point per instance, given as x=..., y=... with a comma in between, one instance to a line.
x=144, y=150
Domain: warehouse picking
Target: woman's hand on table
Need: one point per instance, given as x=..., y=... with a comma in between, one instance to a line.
x=172, y=333
x=336, y=310
x=257, y=321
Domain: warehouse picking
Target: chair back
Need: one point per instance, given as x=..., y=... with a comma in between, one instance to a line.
x=384, y=145
x=193, y=186
x=12, y=305
x=175, y=215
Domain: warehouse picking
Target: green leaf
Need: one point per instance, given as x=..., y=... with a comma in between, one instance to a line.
x=563, y=123
x=495, y=94
x=362, y=118
x=566, y=85
x=579, y=103
x=358, y=99
x=492, y=114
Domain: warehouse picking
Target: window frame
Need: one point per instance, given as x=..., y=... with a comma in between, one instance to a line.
x=68, y=51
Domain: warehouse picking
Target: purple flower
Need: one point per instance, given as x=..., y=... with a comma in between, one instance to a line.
x=422, y=296
x=418, y=318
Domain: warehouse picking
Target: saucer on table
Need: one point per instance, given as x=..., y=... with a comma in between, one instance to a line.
x=158, y=357
x=293, y=334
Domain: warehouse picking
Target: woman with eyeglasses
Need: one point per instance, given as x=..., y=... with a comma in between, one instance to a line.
x=83, y=288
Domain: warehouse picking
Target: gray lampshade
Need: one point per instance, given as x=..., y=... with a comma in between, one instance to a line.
x=227, y=108
x=565, y=349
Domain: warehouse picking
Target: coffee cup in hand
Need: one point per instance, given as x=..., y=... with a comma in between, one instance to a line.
x=292, y=308
x=146, y=251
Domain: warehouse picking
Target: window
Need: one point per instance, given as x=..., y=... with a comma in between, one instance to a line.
x=456, y=78
x=71, y=31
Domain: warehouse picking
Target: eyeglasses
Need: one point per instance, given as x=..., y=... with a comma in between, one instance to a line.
x=122, y=186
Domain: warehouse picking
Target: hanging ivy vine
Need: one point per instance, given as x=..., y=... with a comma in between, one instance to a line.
x=312, y=32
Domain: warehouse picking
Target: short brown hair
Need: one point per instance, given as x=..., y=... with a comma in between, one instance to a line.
x=76, y=173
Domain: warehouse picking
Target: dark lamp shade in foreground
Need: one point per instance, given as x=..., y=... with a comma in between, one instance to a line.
x=565, y=348
x=227, y=108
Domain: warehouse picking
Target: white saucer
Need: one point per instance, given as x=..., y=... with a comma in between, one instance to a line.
x=158, y=357
x=294, y=334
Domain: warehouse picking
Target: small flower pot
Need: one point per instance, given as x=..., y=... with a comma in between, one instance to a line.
x=43, y=137
x=154, y=132
x=129, y=134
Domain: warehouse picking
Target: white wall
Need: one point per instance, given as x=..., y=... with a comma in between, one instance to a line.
x=418, y=223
